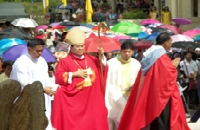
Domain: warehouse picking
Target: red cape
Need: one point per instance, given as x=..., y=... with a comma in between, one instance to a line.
x=76, y=107
x=150, y=95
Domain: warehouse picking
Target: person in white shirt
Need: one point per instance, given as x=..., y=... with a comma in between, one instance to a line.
x=32, y=67
x=122, y=73
x=190, y=69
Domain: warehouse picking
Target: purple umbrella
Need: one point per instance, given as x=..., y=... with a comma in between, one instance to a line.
x=16, y=51
x=43, y=27
x=182, y=21
x=54, y=24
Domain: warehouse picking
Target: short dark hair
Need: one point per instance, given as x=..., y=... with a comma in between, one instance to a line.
x=127, y=45
x=35, y=42
x=6, y=63
x=162, y=38
x=187, y=52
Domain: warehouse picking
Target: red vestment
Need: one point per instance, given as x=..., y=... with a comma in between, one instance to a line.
x=149, y=96
x=77, y=107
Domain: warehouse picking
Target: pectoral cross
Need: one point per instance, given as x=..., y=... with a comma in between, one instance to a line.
x=87, y=80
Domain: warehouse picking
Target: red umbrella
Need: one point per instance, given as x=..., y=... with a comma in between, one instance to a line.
x=108, y=44
x=169, y=27
x=58, y=27
x=142, y=44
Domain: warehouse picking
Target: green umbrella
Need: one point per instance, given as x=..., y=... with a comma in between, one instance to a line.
x=127, y=28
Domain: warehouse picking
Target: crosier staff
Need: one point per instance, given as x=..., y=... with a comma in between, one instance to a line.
x=101, y=27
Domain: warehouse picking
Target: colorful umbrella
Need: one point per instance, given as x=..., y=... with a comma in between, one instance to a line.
x=142, y=44
x=108, y=44
x=127, y=28
x=182, y=21
x=162, y=30
x=16, y=51
x=153, y=36
x=95, y=28
x=44, y=27
x=154, y=25
x=25, y=22
x=142, y=35
x=180, y=37
x=83, y=28
x=5, y=44
x=184, y=44
x=111, y=23
x=54, y=24
x=121, y=37
x=197, y=38
x=192, y=33
x=169, y=27
x=150, y=21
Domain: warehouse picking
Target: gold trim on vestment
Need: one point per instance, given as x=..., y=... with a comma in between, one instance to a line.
x=65, y=77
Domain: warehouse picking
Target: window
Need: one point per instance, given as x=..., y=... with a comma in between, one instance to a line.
x=195, y=8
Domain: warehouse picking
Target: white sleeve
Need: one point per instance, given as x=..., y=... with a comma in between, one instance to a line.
x=104, y=60
x=20, y=73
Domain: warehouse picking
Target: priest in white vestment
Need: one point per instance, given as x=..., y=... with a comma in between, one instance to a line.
x=122, y=73
x=32, y=67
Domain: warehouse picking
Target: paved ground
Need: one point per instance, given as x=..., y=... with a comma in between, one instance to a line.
x=193, y=126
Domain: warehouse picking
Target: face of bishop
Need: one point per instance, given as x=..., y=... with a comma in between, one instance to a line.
x=78, y=49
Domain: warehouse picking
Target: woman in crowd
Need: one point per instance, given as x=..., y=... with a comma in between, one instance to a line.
x=166, y=15
x=153, y=14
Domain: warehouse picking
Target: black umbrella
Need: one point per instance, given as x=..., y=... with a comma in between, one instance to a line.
x=111, y=23
x=128, y=40
x=162, y=30
x=185, y=44
x=70, y=23
x=14, y=33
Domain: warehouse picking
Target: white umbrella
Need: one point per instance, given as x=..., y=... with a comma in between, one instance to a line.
x=180, y=37
x=25, y=22
x=82, y=28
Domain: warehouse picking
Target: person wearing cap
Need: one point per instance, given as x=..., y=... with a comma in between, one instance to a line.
x=7, y=68
x=79, y=102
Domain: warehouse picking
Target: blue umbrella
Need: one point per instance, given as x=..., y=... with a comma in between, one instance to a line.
x=153, y=36
x=5, y=44
x=16, y=51
x=142, y=35
x=197, y=39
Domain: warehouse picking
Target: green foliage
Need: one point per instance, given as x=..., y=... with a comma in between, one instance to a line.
x=135, y=15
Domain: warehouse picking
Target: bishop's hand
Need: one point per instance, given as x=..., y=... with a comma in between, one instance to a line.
x=100, y=50
x=49, y=91
x=80, y=73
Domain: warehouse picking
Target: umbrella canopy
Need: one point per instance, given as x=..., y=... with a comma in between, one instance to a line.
x=162, y=30
x=117, y=37
x=150, y=21
x=54, y=24
x=25, y=22
x=184, y=44
x=182, y=21
x=142, y=35
x=5, y=44
x=93, y=35
x=16, y=51
x=108, y=44
x=95, y=28
x=128, y=40
x=154, y=25
x=82, y=28
x=15, y=33
x=192, y=33
x=43, y=27
x=127, y=28
x=111, y=23
x=153, y=36
x=169, y=27
x=197, y=38
x=142, y=44
x=180, y=37
x=69, y=23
